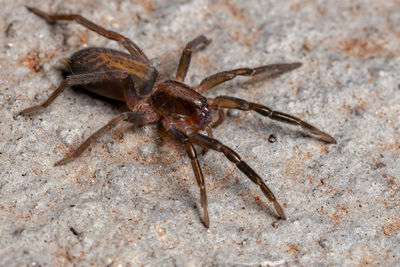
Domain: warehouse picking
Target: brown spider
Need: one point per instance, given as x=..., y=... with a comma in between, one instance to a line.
x=181, y=109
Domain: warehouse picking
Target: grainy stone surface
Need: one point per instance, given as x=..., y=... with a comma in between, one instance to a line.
x=131, y=199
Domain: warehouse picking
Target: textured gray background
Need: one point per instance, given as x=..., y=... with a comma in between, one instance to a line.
x=132, y=198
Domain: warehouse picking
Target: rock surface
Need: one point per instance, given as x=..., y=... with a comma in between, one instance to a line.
x=132, y=199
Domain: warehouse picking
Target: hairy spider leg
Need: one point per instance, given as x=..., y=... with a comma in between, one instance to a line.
x=200, y=180
x=124, y=41
x=211, y=143
x=186, y=56
x=220, y=77
x=80, y=79
x=191, y=152
x=137, y=118
x=237, y=103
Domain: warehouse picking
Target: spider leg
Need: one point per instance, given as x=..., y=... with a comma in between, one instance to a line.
x=78, y=79
x=214, y=144
x=137, y=118
x=130, y=96
x=221, y=115
x=184, y=62
x=237, y=103
x=124, y=41
x=209, y=134
x=200, y=180
x=215, y=79
x=197, y=171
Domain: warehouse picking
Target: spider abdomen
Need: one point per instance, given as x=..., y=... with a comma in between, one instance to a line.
x=96, y=59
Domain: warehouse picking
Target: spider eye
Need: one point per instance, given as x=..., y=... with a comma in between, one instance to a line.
x=201, y=103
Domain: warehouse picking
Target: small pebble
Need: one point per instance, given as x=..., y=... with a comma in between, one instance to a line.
x=272, y=138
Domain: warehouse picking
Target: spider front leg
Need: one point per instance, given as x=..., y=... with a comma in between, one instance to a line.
x=200, y=180
x=137, y=118
x=197, y=171
x=214, y=144
x=186, y=56
x=237, y=103
x=79, y=79
x=124, y=41
x=218, y=78
x=221, y=115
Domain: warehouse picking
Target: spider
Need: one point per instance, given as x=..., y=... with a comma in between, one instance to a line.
x=181, y=109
